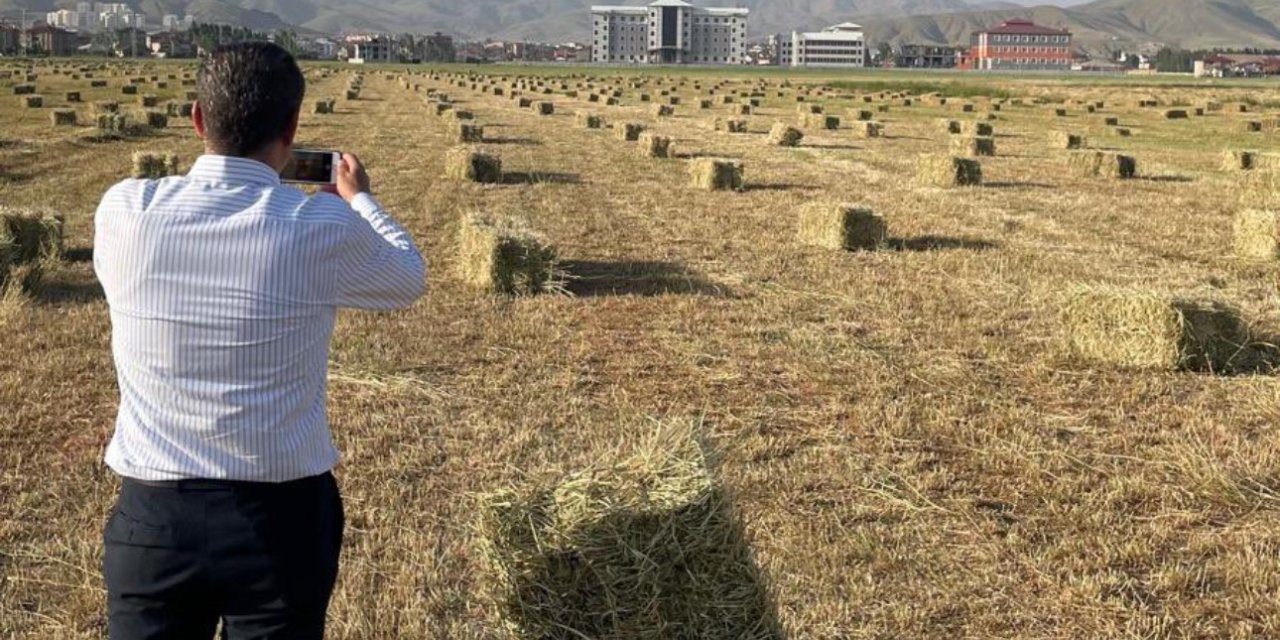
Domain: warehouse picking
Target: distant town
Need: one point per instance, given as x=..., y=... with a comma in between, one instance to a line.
x=666, y=32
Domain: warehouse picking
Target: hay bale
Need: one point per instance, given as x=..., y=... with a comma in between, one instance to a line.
x=716, y=174
x=1251, y=126
x=628, y=131
x=729, y=125
x=1256, y=234
x=948, y=171
x=782, y=135
x=978, y=129
x=322, y=107
x=72, y=96
x=1146, y=330
x=1111, y=121
x=129, y=90
x=645, y=548
x=1239, y=160
x=840, y=226
x=24, y=89
x=1102, y=164
x=862, y=115
x=973, y=146
x=545, y=108
x=1120, y=132
x=653, y=145
x=662, y=111
x=1176, y=114
x=459, y=114
x=820, y=121
x=588, y=120
x=471, y=165
x=352, y=94
x=32, y=101
x=502, y=255
x=1064, y=140
x=33, y=235
x=157, y=119
x=63, y=117
x=149, y=101
x=952, y=127
x=463, y=132
x=871, y=129
x=152, y=165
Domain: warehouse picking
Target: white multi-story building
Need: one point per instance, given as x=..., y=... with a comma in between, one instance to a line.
x=843, y=45
x=668, y=32
x=369, y=48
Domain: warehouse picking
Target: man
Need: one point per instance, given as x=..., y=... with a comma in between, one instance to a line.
x=223, y=287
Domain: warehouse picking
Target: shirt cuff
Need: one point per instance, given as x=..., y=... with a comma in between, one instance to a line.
x=365, y=204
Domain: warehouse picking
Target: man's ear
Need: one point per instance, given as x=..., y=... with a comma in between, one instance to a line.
x=197, y=119
x=291, y=131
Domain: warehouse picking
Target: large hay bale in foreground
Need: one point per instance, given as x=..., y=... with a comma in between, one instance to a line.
x=152, y=165
x=973, y=146
x=948, y=171
x=647, y=548
x=1147, y=330
x=1102, y=164
x=471, y=165
x=503, y=255
x=1256, y=234
x=33, y=235
x=653, y=145
x=716, y=174
x=840, y=226
x=782, y=135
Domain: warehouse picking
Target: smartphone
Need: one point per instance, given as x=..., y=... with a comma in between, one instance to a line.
x=311, y=166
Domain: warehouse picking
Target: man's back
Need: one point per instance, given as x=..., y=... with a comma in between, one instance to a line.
x=223, y=287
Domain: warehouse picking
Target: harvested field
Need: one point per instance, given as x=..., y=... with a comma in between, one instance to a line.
x=910, y=445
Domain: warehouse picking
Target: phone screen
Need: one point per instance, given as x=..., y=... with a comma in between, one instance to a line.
x=310, y=167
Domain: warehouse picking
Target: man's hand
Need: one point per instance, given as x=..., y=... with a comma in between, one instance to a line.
x=352, y=178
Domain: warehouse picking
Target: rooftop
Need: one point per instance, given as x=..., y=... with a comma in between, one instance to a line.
x=1026, y=28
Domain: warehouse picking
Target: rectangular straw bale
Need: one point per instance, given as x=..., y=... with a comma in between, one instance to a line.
x=716, y=174
x=838, y=226
x=1239, y=160
x=730, y=125
x=63, y=117
x=545, y=108
x=464, y=132
x=948, y=171
x=72, y=96
x=1064, y=140
x=973, y=146
x=628, y=131
x=471, y=165
x=871, y=129
x=152, y=165
x=32, y=101
x=952, y=127
x=662, y=110
x=979, y=129
x=1176, y=114
x=157, y=119
x=588, y=120
x=1142, y=329
x=653, y=145
x=639, y=546
x=503, y=255
x=782, y=135
x=1102, y=164
x=1256, y=235
x=820, y=121
x=34, y=235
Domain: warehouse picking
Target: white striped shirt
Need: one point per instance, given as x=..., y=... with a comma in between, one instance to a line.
x=223, y=287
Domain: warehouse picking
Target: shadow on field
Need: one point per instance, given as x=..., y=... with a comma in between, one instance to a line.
x=539, y=177
x=772, y=186
x=1017, y=185
x=694, y=155
x=1183, y=179
x=592, y=278
x=833, y=147
x=516, y=141
x=939, y=243
x=68, y=292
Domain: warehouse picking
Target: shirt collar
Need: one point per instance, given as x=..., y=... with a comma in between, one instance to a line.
x=233, y=170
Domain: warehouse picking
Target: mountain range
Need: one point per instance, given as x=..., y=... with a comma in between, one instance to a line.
x=1099, y=25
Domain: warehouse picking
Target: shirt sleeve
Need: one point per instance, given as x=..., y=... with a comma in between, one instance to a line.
x=380, y=268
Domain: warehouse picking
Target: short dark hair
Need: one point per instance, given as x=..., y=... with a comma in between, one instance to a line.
x=249, y=93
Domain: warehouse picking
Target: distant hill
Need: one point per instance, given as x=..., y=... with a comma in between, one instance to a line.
x=1098, y=25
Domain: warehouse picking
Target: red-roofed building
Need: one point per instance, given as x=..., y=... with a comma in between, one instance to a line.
x=1020, y=45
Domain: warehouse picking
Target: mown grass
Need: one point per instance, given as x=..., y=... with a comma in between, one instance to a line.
x=913, y=452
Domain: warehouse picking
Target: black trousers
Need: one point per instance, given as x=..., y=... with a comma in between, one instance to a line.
x=259, y=558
